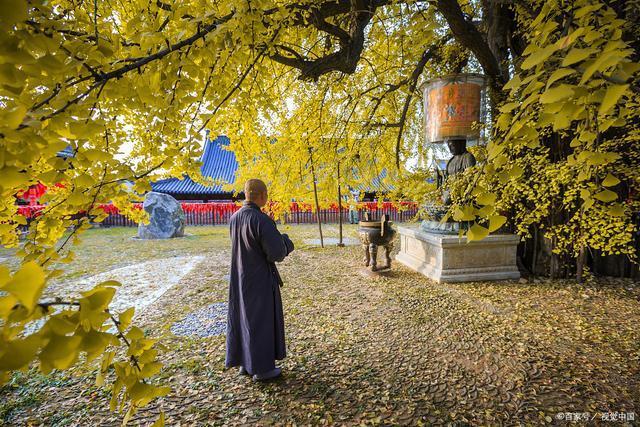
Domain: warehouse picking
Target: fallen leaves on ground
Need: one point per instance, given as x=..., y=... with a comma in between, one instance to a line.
x=396, y=349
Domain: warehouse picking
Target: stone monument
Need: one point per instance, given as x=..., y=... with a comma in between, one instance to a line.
x=452, y=106
x=166, y=217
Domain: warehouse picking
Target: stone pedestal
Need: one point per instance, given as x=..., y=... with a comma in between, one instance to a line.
x=447, y=258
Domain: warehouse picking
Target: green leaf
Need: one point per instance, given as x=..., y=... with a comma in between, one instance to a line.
x=485, y=211
x=476, y=232
x=606, y=196
x=465, y=213
x=60, y=324
x=611, y=97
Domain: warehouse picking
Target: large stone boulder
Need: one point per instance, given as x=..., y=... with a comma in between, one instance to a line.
x=166, y=217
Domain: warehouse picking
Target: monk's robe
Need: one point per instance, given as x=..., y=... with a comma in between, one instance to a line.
x=255, y=321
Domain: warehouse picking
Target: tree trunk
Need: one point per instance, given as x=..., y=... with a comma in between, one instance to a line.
x=315, y=194
x=339, y=208
x=580, y=264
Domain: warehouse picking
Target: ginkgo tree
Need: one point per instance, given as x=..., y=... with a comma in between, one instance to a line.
x=565, y=154
x=129, y=87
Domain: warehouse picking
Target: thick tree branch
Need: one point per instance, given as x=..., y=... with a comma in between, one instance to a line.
x=470, y=37
x=415, y=75
x=347, y=57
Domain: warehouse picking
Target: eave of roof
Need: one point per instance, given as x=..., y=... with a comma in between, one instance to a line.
x=218, y=163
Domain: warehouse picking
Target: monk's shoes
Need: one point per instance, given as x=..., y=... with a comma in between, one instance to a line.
x=274, y=373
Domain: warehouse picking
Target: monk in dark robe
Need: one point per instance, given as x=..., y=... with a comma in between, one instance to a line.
x=255, y=322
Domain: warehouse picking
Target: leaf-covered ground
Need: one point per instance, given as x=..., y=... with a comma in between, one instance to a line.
x=397, y=349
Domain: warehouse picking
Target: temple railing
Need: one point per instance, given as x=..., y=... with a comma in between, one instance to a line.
x=216, y=213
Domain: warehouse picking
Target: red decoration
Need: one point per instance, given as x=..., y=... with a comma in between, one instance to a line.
x=224, y=209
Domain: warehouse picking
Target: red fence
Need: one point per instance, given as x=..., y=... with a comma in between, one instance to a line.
x=219, y=213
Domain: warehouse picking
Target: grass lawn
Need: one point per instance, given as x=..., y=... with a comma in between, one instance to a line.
x=389, y=350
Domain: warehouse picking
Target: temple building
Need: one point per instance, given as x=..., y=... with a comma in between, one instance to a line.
x=218, y=163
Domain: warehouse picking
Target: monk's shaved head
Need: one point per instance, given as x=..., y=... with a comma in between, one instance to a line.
x=254, y=190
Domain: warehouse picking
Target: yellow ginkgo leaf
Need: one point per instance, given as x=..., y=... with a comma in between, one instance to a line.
x=124, y=318
x=19, y=353
x=538, y=56
x=611, y=98
x=610, y=181
x=606, y=196
x=12, y=11
x=60, y=352
x=496, y=221
x=486, y=199
x=556, y=94
x=160, y=421
x=14, y=117
x=577, y=55
x=476, y=232
x=27, y=284
x=559, y=74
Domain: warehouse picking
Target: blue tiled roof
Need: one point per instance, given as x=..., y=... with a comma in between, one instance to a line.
x=217, y=163
x=376, y=185
x=66, y=153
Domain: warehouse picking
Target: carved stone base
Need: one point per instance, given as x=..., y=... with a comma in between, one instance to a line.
x=446, y=258
x=429, y=226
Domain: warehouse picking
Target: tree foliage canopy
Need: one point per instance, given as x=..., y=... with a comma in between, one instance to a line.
x=130, y=86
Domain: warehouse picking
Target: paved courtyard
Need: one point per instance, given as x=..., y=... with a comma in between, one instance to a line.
x=390, y=350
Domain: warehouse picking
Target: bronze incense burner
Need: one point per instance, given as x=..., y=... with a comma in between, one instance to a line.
x=373, y=234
